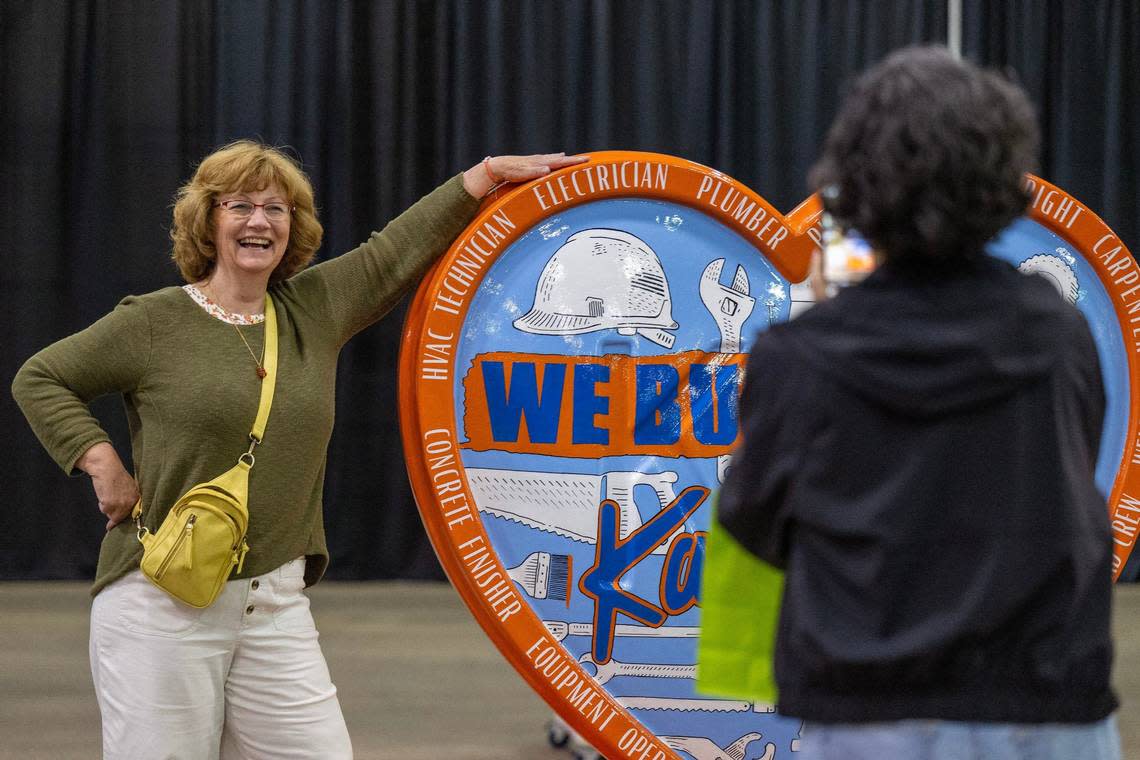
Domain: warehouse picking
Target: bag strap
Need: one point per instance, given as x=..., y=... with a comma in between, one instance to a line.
x=270, y=364
x=268, y=383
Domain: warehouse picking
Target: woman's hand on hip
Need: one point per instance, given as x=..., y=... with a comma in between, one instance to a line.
x=115, y=488
x=493, y=170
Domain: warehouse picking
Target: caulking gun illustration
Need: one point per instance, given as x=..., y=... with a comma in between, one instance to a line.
x=566, y=503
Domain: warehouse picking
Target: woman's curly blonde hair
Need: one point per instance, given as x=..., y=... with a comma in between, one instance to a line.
x=242, y=166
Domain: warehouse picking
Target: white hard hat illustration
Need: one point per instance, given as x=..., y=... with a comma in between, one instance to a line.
x=1056, y=271
x=602, y=279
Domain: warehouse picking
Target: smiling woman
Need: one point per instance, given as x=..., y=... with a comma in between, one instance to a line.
x=244, y=199
x=245, y=676
x=251, y=234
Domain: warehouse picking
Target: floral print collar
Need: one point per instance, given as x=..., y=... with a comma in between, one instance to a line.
x=216, y=311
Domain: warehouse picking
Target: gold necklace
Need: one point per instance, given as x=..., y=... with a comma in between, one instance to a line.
x=261, y=371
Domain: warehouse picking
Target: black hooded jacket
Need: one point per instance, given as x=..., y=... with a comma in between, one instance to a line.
x=918, y=456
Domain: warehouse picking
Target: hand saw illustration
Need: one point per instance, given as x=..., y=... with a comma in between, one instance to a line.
x=566, y=503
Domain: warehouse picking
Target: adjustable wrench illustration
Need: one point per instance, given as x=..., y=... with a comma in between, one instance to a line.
x=730, y=306
x=608, y=670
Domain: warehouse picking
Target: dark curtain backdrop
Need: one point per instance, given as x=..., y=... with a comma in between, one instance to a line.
x=107, y=106
x=1080, y=63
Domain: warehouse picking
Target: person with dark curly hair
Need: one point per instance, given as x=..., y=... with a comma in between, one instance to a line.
x=244, y=676
x=918, y=452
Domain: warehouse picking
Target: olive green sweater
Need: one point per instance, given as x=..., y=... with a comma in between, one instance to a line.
x=191, y=390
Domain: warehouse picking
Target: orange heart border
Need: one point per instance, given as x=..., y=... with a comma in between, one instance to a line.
x=436, y=316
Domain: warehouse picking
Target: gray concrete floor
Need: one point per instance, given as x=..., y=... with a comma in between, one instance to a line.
x=417, y=677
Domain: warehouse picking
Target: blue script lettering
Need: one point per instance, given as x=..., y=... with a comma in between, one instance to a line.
x=681, y=575
x=613, y=557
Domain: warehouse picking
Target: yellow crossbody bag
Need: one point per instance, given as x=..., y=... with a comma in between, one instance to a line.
x=202, y=540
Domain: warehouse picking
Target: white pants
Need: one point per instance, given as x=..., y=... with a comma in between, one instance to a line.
x=243, y=678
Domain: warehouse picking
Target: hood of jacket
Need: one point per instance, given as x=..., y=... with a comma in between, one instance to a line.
x=936, y=342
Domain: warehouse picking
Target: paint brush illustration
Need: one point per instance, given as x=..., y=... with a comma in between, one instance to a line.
x=543, y=575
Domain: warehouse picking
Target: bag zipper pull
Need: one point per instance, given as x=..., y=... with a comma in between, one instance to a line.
x=241, y=557
x=190, y=541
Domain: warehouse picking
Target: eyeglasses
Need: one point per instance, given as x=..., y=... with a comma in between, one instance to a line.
x=275, y=211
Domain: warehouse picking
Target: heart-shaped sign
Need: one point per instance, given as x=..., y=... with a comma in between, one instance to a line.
x=569, y=381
